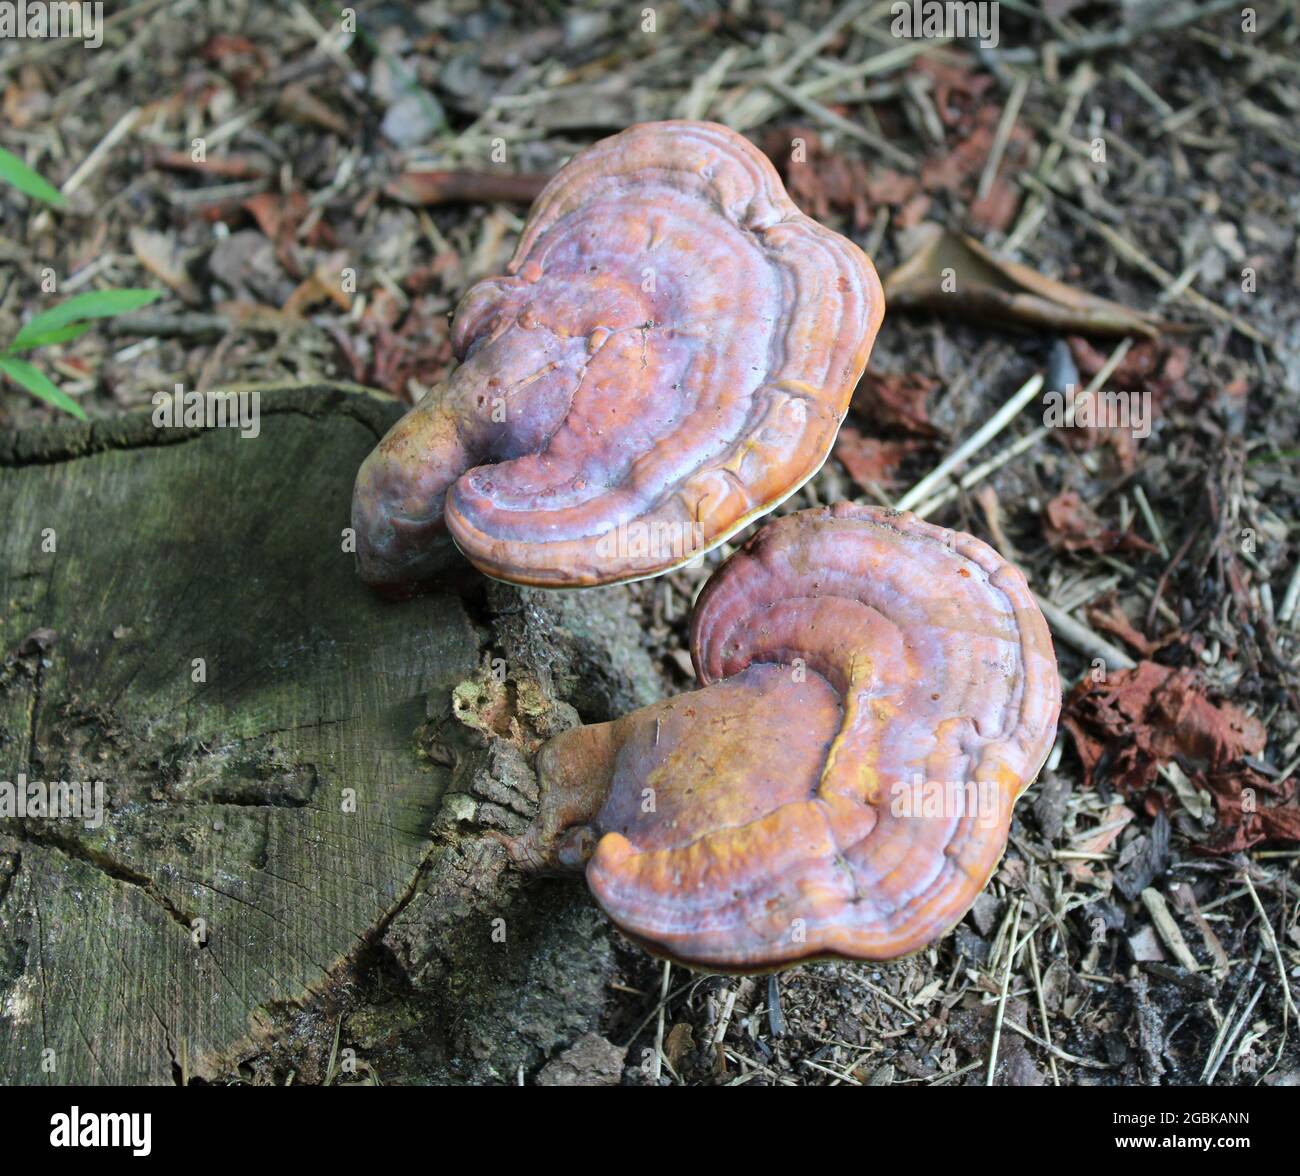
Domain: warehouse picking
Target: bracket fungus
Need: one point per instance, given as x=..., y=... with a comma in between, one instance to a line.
x=668, y=357
x=875, y=693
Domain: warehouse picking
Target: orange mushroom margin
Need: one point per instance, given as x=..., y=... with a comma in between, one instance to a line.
x=876, y=693
x=669, y=357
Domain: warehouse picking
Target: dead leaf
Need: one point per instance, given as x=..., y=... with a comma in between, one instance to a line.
x=1136, y=720
x=1148, y=364
x=325, y=282
x=416, y=353
x=952, y=273
x=819, y=179
x=281, y=217
x=1110, y=618
x=958, y=166
x=1151, y=373
x=26, y=100
x=1143, y=859
x=223, y=47
x=678, y=1042
x=237, y=58
x=277, y=216
x=887, y=186
x=465, y=187
x=298, y=103
x=1243, y=820
x=158, y=254
x=913, y=212
x=246, y=264
x=1150, y=714
x=1071, y=525
x=896, y=400
x=957, y=90
x=997, y=209
x=869, y=460
x=1097, y=841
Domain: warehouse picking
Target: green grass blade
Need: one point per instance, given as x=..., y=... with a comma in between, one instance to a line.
x=58, y=335
x=39, y=384
x=91, y=305
x=14, y=171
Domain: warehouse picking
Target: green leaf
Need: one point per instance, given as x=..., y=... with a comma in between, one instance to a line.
x=58, y=335
x=91, y=305
x=1282, y=455
x=14, y=171
x=39, y=384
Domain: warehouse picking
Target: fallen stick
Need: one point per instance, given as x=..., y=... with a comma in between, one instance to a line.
x=1002, y=998
x=973, y=444
x=229, y=167
x=1123, y=246
x=1117, y=38
x=1270, y=942
x=465, y=187
x=998, y=460
x=1083, y=639
x=824, y=114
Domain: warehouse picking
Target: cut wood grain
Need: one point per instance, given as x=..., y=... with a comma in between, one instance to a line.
x=249, y=707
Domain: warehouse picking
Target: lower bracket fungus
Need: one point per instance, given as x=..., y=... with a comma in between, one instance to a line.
x=875, y=694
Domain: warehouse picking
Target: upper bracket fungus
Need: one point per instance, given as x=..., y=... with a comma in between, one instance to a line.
x=668, y=357
x=876, y=692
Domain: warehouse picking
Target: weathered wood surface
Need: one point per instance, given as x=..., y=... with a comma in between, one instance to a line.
x=266, y=823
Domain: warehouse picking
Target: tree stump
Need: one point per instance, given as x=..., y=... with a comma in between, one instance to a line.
x=293, y=770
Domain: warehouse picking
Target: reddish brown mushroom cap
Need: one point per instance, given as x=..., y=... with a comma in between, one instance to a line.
x=877, y=692
x=669, y=356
